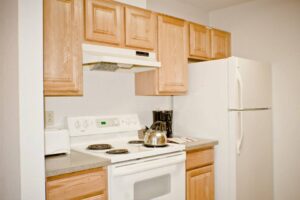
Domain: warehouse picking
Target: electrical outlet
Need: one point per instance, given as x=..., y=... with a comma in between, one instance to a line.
x=49, y=118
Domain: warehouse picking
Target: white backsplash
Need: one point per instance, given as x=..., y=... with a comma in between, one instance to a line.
x=106, y=93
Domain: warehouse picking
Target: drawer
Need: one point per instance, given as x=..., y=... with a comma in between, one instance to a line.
x=199, y=158
x=79, y=185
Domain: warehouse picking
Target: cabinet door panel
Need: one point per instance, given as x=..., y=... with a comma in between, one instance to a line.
x=200, y=183
x=141, y=28
x=220, y=44
x=62, y=47
x=103, y=21
x=200, y=41
x=172, y=42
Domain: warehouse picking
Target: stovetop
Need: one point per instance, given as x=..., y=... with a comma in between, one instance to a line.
x=135, y=151
x=116, y=131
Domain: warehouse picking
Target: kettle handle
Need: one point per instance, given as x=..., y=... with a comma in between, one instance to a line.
x=158, y=125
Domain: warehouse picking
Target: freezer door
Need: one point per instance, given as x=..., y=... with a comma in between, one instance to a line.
x=251, y=171
x=250, y=84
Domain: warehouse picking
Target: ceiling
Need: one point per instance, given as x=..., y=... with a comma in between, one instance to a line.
x=209, y=5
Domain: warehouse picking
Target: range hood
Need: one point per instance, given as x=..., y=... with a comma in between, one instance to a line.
x=105, y=58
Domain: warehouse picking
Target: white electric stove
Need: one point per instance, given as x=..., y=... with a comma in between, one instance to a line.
x=134, y=167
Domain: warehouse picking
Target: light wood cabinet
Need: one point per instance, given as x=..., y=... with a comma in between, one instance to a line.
x=200, y=183
x=221, y=47
x=141, y=28
x=200, y=174
x=104, y=22
x=62, y=48
x=88, y=185
x=199, y=42
x=171, y=78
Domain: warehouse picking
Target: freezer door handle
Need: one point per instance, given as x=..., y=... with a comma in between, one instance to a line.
x=239, y=82
x=241, y=133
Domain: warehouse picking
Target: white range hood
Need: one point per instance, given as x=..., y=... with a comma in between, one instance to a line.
x=105, y=58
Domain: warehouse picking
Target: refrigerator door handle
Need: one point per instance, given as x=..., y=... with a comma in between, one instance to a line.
x=241, y=133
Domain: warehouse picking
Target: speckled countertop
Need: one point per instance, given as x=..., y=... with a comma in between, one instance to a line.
x=73, y=162
x=197, y=143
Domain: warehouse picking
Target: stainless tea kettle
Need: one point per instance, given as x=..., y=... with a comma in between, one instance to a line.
x=156, y=136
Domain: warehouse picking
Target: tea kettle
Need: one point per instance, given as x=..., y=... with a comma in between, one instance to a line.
x=156, y=136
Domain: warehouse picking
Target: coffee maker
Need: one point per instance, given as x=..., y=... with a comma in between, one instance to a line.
x=164, y=116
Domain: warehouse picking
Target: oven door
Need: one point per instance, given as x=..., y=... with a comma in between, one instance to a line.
x=156, y=178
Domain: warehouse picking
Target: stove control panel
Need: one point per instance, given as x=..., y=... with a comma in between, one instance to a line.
x=110, y=122
x=90, y=125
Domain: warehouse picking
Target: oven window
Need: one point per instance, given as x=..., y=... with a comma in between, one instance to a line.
x=152, y=188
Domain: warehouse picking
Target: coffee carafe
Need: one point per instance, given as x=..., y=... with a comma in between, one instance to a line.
x=164, y=116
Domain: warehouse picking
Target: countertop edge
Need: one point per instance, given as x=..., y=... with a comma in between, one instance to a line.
x=192, y=147
x=76, y=169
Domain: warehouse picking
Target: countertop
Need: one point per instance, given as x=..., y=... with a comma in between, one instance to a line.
x=73, y=162
x=197, y=143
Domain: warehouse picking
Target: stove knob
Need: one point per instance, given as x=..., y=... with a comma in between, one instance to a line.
x=85, y=124
x=77, y=124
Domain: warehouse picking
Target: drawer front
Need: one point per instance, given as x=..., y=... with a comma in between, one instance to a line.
x=78, y=185
x=98, y=197
x=199, y=158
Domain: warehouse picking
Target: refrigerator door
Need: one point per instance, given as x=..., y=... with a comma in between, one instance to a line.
x=251, y=171
x=250, y=84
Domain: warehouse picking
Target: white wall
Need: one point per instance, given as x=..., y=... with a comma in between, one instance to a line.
x=179, y=9
x=107, y=93
x=21, y=102
x=9, y=108
x=31, y=99
x=270, y=31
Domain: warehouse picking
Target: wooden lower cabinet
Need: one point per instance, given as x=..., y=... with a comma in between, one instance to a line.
x=87, y=185
x=200, y=175
x=200, y=183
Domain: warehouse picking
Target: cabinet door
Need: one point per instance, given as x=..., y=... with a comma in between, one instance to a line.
x=140, y=28
x=200, y=41
x=104, y=22
x=220, y=44
x=172, y=44
x=62, y=47
x=200, y=183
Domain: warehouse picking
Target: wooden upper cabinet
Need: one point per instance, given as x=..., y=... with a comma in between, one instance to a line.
x=141, y=28
x=171, y=77
x=62, y=48
x=172, y=48
x=221, y=47
x=199, y=41
x=104, y=22
x=200, y=183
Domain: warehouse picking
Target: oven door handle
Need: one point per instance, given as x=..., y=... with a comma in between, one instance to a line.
x=147, y=165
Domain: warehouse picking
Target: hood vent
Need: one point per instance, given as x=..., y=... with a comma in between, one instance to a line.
x=118, y=60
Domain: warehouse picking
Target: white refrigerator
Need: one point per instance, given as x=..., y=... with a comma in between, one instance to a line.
x=230, y=100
